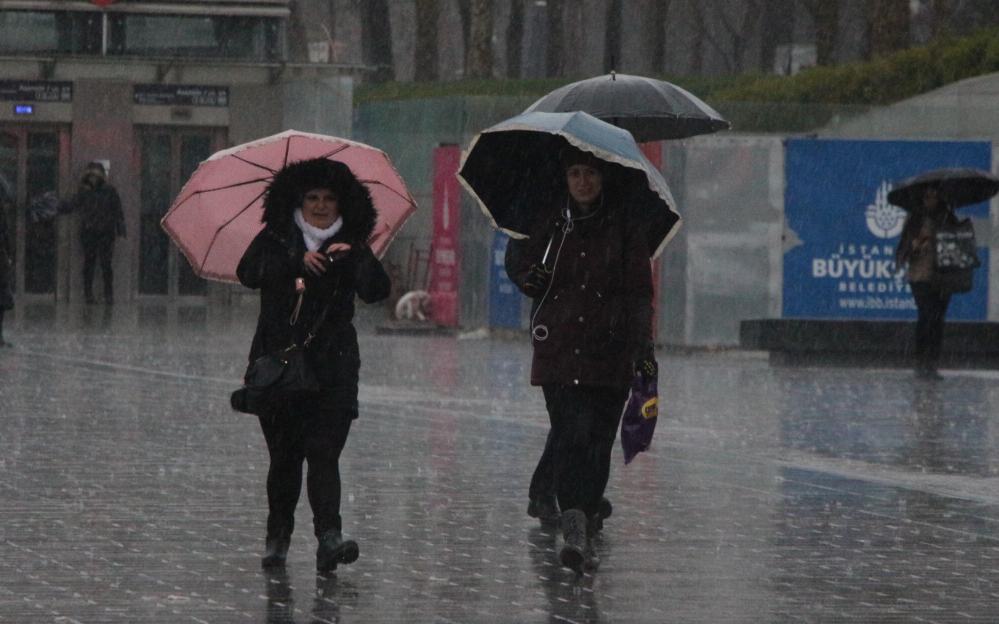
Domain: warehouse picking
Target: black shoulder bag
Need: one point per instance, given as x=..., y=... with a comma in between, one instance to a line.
x=273, y=378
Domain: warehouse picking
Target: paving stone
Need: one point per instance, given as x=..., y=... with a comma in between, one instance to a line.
x=130, y=492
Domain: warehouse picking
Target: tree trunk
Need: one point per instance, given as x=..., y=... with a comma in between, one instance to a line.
x=612, y=38
x=555, y=52
x=776, y=29
x=887, y=27
x=376, y=39
x=825, y=16
x=298, y=42
x=700, y=37
x=426, y=56
x=479, y=54
x=660, y=11
x=940, y=24
x=515, y=39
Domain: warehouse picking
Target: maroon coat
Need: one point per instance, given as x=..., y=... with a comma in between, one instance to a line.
x=598, y=310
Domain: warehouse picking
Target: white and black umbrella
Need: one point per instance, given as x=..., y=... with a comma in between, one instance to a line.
x=957, y=186
x=651, y=110
x=513, y=170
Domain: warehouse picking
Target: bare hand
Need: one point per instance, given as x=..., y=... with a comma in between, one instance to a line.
x=314, y=262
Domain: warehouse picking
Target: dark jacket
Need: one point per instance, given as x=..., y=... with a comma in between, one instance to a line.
x=272, y=263
x=598, y=310
x=100, y=211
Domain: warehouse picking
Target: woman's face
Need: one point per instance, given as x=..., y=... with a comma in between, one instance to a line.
x=319, y=208
x=585, y=184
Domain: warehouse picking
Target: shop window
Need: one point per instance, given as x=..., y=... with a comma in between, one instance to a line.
x=244, y=38
x=64, y=32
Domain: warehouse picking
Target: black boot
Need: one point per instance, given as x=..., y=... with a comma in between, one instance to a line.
x=595, y=524
x=575, y=554
x=333, y=549
x=544, y=509
x=275, y=553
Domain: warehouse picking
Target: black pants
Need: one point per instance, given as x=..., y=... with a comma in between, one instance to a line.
x=294, y=436
x=98, y=248
x=543, y=480
x=584, y=422
x=931, y=308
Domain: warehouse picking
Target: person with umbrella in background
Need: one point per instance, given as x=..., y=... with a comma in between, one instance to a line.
x=594, y=212
x=930, y=199
x=309, y=261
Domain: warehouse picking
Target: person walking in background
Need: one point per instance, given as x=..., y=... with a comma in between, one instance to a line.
x=586, y=266
x=103, y=220
x=308, y=262
x=917, y=250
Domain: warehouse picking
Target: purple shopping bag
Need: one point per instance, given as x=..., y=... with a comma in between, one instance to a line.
x=640, y=416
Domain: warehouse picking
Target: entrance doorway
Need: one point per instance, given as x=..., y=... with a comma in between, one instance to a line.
x=168, y=157
x=32, y=162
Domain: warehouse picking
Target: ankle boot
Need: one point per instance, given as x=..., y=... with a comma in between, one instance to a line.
x=333, y=549
x=275, y=553
x=575, y=554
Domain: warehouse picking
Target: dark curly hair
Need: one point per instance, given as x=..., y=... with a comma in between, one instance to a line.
x=290, y=185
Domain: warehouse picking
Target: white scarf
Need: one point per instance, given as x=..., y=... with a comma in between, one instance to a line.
x=314, y=237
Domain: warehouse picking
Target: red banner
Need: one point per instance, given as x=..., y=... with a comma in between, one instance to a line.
x=445, y=266
x=103, y=3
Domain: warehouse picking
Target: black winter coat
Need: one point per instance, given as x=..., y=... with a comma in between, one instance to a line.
x=272, y=263
x=100, y=211
x=598, y=310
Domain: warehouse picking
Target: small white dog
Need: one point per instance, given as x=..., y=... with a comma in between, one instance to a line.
x=413, y=306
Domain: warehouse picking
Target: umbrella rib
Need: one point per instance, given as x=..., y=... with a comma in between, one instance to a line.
x=336, y=151
x=231, y=186
x=219, y=229
x=264, y=167
x=287, y=149
x=380, y=183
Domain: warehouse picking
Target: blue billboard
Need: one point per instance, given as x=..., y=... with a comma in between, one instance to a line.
x=839, y=261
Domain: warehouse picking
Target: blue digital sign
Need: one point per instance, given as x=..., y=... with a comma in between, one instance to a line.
x=24, y=109
x=841, y=264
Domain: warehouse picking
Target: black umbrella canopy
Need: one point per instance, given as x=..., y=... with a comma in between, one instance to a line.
x=957, y=186
x=651, y=110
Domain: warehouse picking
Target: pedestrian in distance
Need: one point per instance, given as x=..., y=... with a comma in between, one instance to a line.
x=309, y=262
x=102, y=221
x=917, y=250
x=586, y=267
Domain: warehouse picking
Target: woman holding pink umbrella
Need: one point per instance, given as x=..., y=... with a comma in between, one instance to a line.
x=309, y=262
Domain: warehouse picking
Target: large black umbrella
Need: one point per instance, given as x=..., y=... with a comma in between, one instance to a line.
x=512, y=169
x=957, y=186
x=651, y=110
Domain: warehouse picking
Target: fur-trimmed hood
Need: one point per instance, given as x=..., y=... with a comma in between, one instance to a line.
x=290, y=184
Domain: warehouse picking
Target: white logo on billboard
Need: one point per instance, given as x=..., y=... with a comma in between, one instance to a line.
x=884, y=220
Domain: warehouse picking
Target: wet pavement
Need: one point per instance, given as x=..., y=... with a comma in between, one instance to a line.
x=130, y=492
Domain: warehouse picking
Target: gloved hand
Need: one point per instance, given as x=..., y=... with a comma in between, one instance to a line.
x=647, y=366
x=537, y=281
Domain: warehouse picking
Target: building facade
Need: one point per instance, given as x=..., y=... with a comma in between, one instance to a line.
x=150, y=89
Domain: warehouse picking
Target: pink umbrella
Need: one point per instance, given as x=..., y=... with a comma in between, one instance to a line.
x=217, y=214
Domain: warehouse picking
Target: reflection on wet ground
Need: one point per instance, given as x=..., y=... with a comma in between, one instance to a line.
x=129, y=492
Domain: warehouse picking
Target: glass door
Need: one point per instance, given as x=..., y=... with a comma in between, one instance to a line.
x=30, y=165
x=169, y=155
